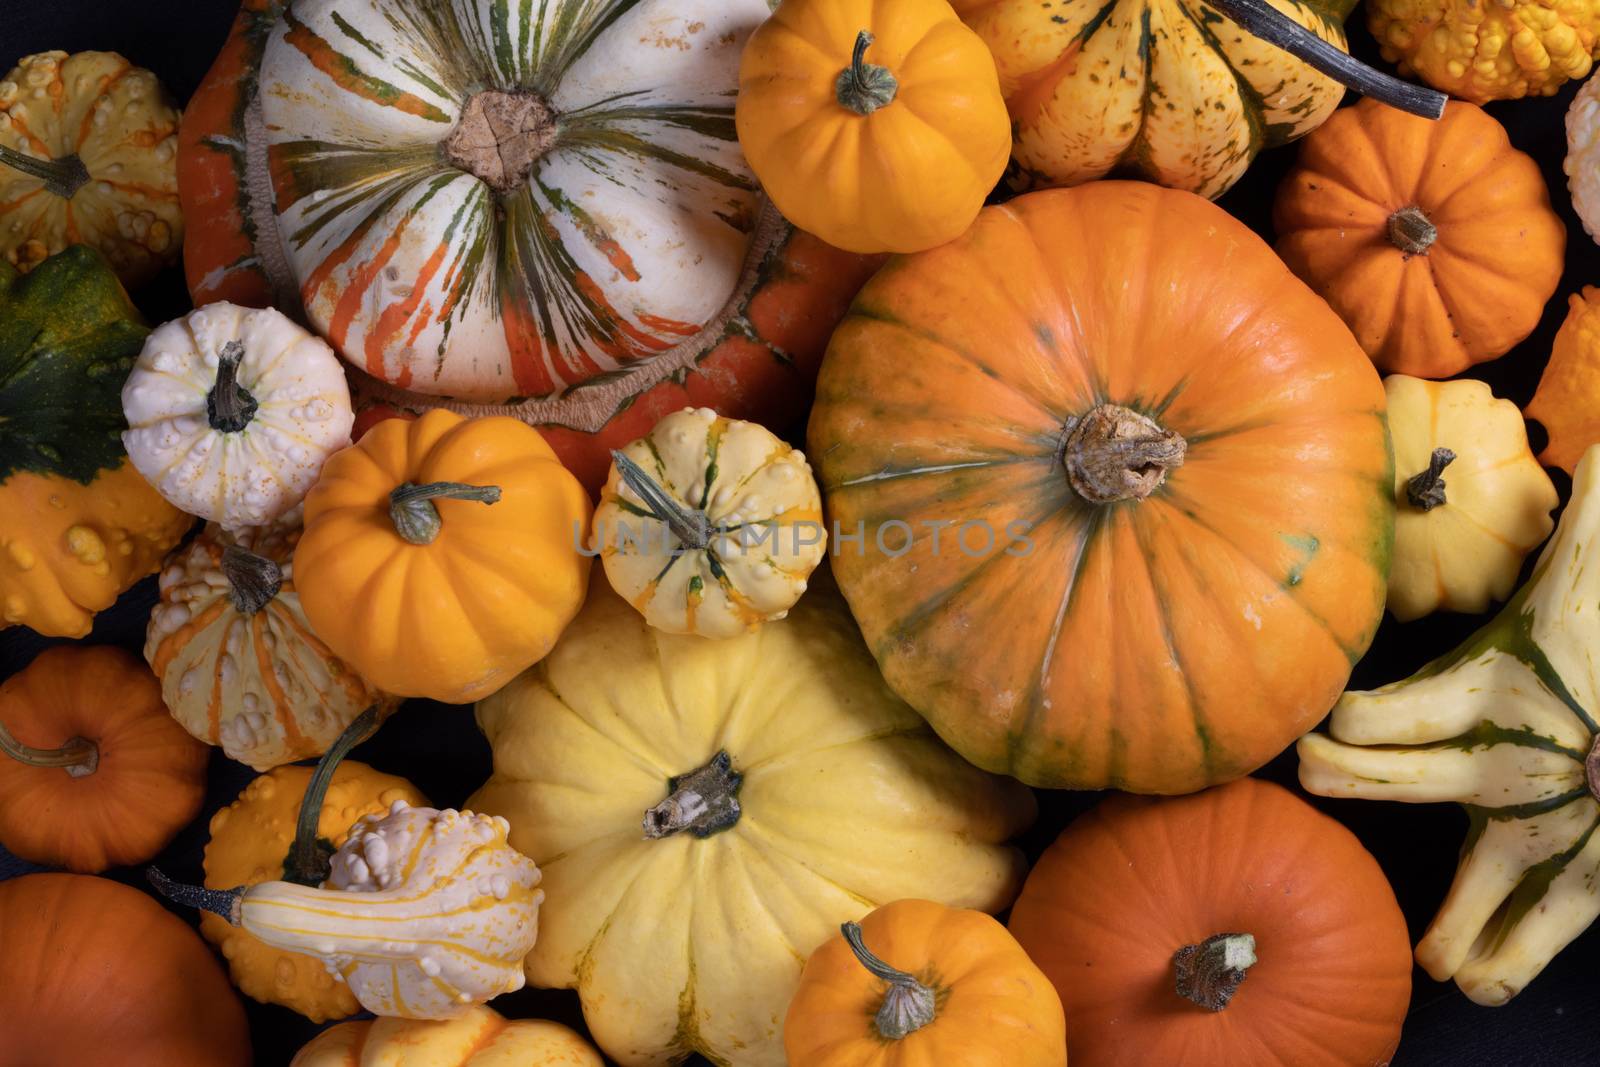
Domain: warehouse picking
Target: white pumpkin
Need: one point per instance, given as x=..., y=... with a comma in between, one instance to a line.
x=232, y=411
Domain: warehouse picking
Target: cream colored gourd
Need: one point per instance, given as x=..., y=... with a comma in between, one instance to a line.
x=238, y=663
x=1471, y=501
x=232, y=411
x=709, y=525
x=1507, y=726
x=424, y=914
x=478, y=1038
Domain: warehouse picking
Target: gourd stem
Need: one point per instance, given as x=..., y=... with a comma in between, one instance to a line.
x=228, y=903
x=79, y=757
x=309, y=855
x=1114, y=453
x=702, y=802
x=1209, y=973
x=1591, y=769
x=229, y=405
x=416, y=519
x=1411, y=231
x=864, y=87
x=908, y=1005
x=1259, y=19
x=63, y=177
x=690, y=526
x=1425, y=491
x=253, y=580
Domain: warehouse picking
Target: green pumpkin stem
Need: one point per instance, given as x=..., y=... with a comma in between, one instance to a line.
x=1411, y=231
x=309, y=856
x=416, y=519
x=1425, y=491
x=229, y=405
x=690, y=526
x=62, y=177
x=864, y=87
x=1113, y=453
x=703, y=802
x=1209, y=973
x=907, y=1006
x=78, y=757
x=253, y=580
x=228, y=903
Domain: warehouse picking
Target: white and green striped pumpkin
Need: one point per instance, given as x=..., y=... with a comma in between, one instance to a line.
x=509, y=198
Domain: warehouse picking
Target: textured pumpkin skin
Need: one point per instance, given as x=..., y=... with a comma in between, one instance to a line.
x=1568, y=396
x=801, y=711
x=1134, y=880
x=250, y=839
x=480, y=1038
x=94, y=966
x=147, y=786
x=1478, y=290
x=995, y=1007
x=1482, y=52
x=1151, y=89
x=113, y=117
x=1153, y=646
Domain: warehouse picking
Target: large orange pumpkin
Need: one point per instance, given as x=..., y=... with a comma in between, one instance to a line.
x=1111, y=490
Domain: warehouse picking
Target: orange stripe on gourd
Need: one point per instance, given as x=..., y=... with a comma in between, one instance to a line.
x=394, y=317
x=344, y=72
x=106, y=84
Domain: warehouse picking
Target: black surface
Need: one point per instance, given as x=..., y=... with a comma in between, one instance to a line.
x=1554, y=1021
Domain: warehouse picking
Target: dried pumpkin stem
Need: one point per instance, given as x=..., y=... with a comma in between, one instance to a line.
x=416, y=519
x=864, y=87
x=690, y=526
x=1591, y=769
x=228, y=903
x=79, y=757
x=1411, y=231
x=1425, y=491
x=702, y=802
x=1209, y=973
x=62, y=177
x=229, y=405
x=253, y=580
x=309, y=855
x=1114, y=453
x=908, y=1005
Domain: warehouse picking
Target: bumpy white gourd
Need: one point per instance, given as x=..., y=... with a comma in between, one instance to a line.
x=1583, y=155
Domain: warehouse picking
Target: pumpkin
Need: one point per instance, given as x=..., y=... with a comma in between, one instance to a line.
x=1435, y=242
x=80, y=525
x=88, y=152
x=232, y=412
x=93, y=966
x=1238, y=925
x=1569, y=388
x=1470, y=500
x=1482, y=52
x=1505, y=725
x=442, y=556
x=238, y=662
x=959, y=990
x=1169, y=91
x=478, y=1038
x=93, y=772
x=1090, y=519
x=709, y=526
x=782, y=790
x=879, y=128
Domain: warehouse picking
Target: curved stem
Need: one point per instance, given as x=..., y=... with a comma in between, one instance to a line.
x=309, y=855
x=702, y=802
x=908, y=1006
x=78, y=757
x=228, y=903
x=1209, y=973
x=1114, y=453
x=1411, y=231
x=62, y=177
x=415, y=518
x=1262, y=20
x=229, y=405
x=864, y=87
x=1425, y=491
x=690, y=526
x=252, y=580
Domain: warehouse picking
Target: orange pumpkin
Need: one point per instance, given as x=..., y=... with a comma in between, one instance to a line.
x=1237, y=926
x=96, y=972
x=1434, y=241
x=1092, y=519
x=93, y=771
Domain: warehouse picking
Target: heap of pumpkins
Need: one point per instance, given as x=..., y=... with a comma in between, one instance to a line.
x=1111, y=495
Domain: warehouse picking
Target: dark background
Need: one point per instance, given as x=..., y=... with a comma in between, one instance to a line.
x=1554, y=1021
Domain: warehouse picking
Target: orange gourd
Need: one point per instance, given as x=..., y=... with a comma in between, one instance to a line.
x=1236, y=926
x=98, y=973
x=1434, y=241
x=1567, y=401
x=93, y=771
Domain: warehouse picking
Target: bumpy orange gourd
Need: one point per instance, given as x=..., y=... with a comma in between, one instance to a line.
x=93, y=771
x=1236, y=926
x=1479, y=51
x=878, y=126
x=480, y=1038
x=443, y=556
x=939, y=985
x=1434, y=241
x=1567, y=401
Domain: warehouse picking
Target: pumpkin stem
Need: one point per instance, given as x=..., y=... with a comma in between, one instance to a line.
x=1591, y=768
x=501, y=137
x=1411, y=231
x=691, y=527
x=908, y=1005
x=229, y=405
x=1114, y=453
x=1209, y=973
x=702, y=802
x=1425, y=491
x=1261, y=20
x=228, y=903
x=309, y=856
x=252, y=580
x=415, y=518
x=864, y=87
x=79, y=757
x=63, y=177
